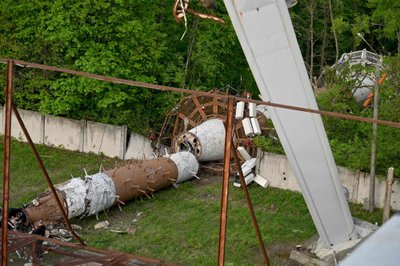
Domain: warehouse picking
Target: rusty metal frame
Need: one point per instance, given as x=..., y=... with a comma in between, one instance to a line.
x=249, y=205
x=18, y=240
x=225, y=182
x=191, y=111
x=7, y=149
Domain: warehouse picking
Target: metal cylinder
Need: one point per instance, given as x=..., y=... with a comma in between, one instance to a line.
x=187, y=165
x=142, y=178
x=206, y=141
x=86, y=196
x=45, y=209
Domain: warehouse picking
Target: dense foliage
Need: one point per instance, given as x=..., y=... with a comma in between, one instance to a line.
x=140, y=40
x=131, y=39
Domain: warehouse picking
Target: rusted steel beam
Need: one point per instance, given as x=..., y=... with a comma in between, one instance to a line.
x=7, y=149
x=250, y=205
x=46, y=175
x=103, y=254
x=21, y=244
x=225, y=182
x=198, y=93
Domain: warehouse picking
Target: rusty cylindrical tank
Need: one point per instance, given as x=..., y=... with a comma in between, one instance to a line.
x=89, y=195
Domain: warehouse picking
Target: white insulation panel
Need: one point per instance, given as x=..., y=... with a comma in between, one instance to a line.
x=243, y=153
x=252, y=110
x=248, y=130
x=89, y=196
x=239, y=110
x=256, y=126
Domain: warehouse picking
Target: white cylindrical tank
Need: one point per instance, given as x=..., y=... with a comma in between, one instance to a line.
x=206, y=141
x=187, y=165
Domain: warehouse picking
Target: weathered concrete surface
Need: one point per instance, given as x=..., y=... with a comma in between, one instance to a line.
x=314, y=252
x=106, y=139
x=62, y=132
x=34, y=122
x=84, y=136
x=139, y=148
x=276, y=169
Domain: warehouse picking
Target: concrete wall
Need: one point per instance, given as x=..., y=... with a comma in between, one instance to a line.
x=62, y=132
x=84, y=136
x=108, y=139
x=34, y=123
x=139, y=148
x=277, y=170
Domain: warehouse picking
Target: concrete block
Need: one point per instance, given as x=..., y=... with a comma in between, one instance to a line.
x=245, y=155
x=250, y=163
x=261, y=181
x=276, y=168
x=139, y=148
x=62, y=132
x=34, y=123
x=248, y=179
x=107, y=139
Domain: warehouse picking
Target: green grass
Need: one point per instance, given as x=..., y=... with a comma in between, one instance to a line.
x=179, y=225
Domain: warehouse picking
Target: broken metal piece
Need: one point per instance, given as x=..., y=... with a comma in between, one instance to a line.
x=181, y=7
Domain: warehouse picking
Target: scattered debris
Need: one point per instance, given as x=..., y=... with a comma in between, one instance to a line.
x=181, y=7
x=118, y=231
x=131, y=230
x=249, y=170
x=101, y=225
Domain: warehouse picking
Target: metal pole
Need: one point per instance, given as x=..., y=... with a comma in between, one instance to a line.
x=7, y=147
x=250, y=206
x=46, y=175
x=373, y=144
x=225, y=182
